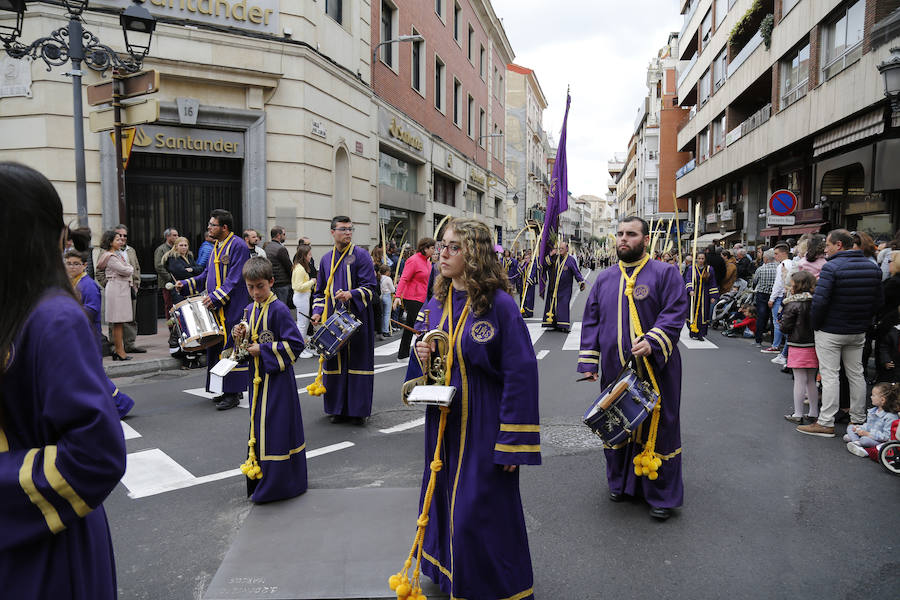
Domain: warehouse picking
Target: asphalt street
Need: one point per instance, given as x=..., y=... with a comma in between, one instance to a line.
x=768, y=513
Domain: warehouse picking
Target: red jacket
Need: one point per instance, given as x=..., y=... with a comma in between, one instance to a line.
x=413, y=284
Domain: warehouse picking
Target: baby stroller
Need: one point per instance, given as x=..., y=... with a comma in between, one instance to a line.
x=724, y=311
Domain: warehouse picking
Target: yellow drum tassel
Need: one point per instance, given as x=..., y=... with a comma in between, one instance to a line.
x=251, y=467
x=317, y=388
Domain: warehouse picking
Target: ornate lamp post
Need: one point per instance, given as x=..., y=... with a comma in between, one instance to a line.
x=73, y=43
x=890, y=70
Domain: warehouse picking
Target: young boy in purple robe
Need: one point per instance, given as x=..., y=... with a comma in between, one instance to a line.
x=89, y=294
x=609, y=340
x=226, y=298
x=347, y=278
x=700, y=282
x=61, y=446
x=475, y=543
x=561, y=270
x=276, y=462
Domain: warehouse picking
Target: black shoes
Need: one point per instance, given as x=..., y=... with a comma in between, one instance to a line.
x=616, y=497
x=337, y=418
x=136, y=350
x=117, y=357
x=228, y=401
x=358, y=421
x=660, y=513
x=842, y=416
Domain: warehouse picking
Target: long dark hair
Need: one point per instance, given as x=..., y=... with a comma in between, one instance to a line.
x=301, y=257
x=815, y=247
x=33, y=230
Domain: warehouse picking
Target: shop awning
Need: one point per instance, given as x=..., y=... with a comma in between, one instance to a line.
x=792, y=229
x=709, y=238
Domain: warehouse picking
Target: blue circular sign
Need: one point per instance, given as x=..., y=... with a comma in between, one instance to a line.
x=783, y=203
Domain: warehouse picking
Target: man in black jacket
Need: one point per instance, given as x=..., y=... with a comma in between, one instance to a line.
x=281, y=264
x=848, y=294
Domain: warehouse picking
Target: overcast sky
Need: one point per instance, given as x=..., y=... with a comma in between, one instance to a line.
x=601, y=48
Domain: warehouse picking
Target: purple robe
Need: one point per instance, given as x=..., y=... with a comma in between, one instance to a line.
x=229, y=297
x=476, y=545
x=511, y=266
x=62, y=452
x=349, y=377
x=558, y=297
x=275, y=405
x=662, y=306
x=89, y=293
x=706, y=298
x=529, y=284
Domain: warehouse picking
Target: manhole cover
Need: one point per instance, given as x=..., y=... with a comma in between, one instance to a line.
x=569, y=438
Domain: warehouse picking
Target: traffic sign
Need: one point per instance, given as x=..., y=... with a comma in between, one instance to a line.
x=128, y=134
x=780, y=220
x=782, y=203
x=144, y=82
x=138, y=113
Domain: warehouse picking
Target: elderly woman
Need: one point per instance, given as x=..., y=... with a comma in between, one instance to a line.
x=492, y=425
x=180, y=264
x=412, y=289
x=118, y=288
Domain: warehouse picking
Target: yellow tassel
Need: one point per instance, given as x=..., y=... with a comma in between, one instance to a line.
x=394, y=582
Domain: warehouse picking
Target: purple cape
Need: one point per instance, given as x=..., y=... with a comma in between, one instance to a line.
x=476, y=545
x=350, y=376
x=275, y=406
x=662, y=306
x=62, y=452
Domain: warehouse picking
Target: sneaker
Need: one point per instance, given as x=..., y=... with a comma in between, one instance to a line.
x=306, y=354
x=856, y=449
x=794, y=419
x=816, y=429
x=779, y=360
x=770, y=349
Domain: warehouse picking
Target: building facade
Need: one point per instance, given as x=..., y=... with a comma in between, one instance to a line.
x=265, y=110
x=441, y=114
x=786, y=94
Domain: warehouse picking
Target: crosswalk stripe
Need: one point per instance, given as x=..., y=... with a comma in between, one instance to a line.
x=573, y=340
x=404, y=426
x=388, y=349
x=535, y=331
x=129, y=431
x=692, y=344
x=542, y=354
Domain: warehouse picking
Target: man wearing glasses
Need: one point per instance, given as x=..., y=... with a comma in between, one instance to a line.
x=346, y=279
x=226, y=296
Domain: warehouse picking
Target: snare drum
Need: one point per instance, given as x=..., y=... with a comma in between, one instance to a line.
x=328, y=339
x=621, y=408
x=195, y=325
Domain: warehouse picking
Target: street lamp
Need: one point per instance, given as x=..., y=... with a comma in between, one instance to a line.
x=890, y=70
x=402, y=38
x=73, y=43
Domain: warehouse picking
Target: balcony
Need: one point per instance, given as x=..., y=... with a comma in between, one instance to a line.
x=687, y=18
x=686, y=168
x=756, y=119
x=687, y=69
x=745, y=53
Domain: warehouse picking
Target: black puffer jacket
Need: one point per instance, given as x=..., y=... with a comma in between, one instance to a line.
x=795, y=321
x=848, y=294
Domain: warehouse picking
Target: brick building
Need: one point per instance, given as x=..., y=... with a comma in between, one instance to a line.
x=440, y=110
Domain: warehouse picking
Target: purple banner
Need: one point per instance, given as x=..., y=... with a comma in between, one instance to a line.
x=558, y=200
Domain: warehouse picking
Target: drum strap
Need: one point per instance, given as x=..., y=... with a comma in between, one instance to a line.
x=317, y=388
x=251, y=468
x=401, y=582
x=646, y=463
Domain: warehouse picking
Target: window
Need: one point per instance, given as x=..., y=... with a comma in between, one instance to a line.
x=418, y=70
x=498, y=207
x=501, y=92
x=787, y=5
x=438, y=83
x=470, y=43
x=703, y=145
x=335, y=10
x=457, y=102
x=720, y=68
x=481, y=62
x=842, y=43
x=439, y=8
x=473, y=201
x=499, y=143
x=470, y=115
x=397, y=173
x=387, y=33
x=457, y=14
x=705, y=90
x=721, y=11
x=481, y=132
x=794, y=76
x=718, y=133
x=706, y=28
x=444, y=190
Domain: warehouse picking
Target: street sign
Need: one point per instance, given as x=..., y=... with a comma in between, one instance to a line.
x=128, y=134
x=142, y=111
x=780, y=220
x=782, y=203
x=144, y=82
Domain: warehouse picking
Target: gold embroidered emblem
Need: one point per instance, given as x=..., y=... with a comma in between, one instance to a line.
x=266, y=337
x=483, y=331
x=641, y=291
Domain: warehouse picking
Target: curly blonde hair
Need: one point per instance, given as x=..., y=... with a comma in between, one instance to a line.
x=483, y=275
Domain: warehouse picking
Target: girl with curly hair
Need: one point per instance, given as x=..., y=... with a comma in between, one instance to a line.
x=475, y=544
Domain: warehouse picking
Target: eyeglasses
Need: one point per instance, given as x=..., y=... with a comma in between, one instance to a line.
x=74, y=264
x=452, y=249
x=343, y=229
x=213, y=225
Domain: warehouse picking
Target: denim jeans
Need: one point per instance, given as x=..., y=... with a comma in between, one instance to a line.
x=762, y=315
x=777, y=336
x=385, y=313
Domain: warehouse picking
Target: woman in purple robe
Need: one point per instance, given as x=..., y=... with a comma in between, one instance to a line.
x=609, y=340
x=475, y=543
x=62, y=450
x=701, y=285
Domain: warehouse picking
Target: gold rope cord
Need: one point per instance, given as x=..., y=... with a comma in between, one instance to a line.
x=251, y=467
x=646, y=463
x=559, y=270
x=317, y=388
x=411, y=589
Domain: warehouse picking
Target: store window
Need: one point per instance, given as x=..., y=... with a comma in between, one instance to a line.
x=842, y=39
x=397, y=173
x=794, y=76
x=444, y=190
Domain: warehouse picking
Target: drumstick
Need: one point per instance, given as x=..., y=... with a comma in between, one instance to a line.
x=404, y=326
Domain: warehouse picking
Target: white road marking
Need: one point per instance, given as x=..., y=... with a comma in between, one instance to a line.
x=388, y=349
x=573, y=340
x=201, y=392
x=542, y=354
x=535, y=331
x=129, y=431
x=152, y=472
x=692, y=344
x=404, y=426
